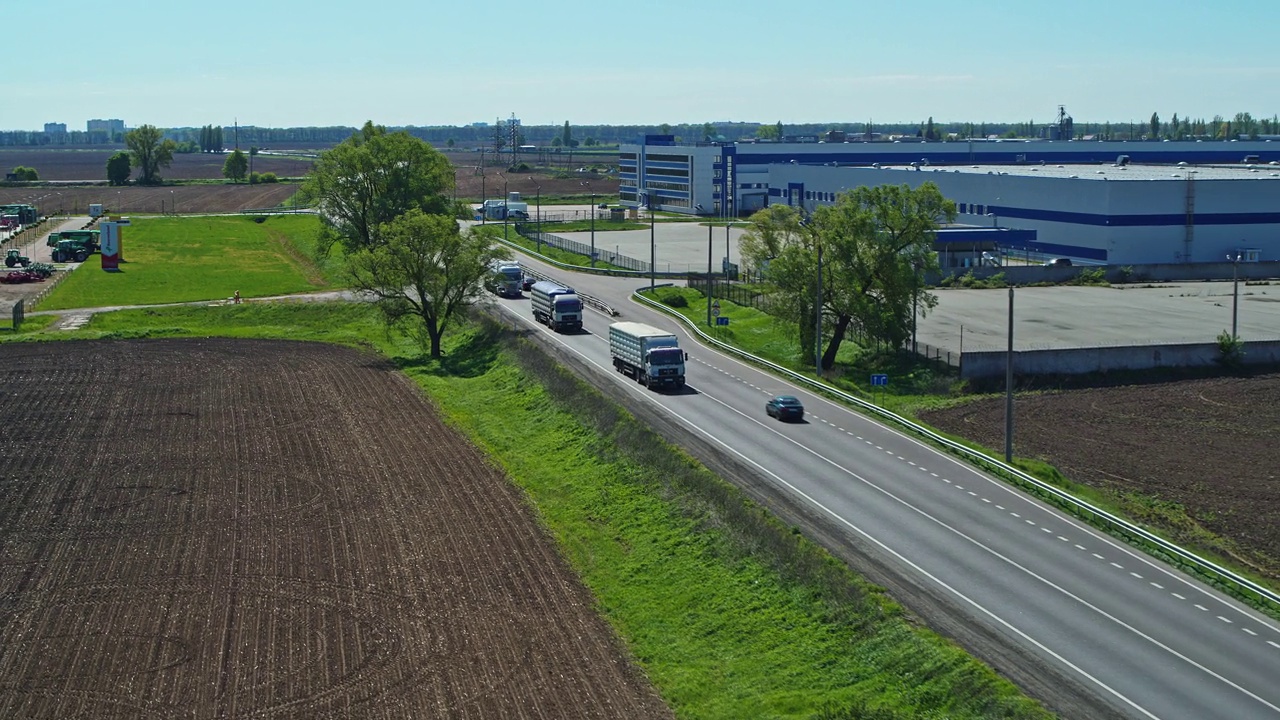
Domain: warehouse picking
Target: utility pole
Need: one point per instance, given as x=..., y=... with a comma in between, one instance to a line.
x=1008, y=389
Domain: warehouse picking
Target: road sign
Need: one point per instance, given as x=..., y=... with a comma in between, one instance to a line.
x=879, y=379
x=722, y=321
x=715, y=308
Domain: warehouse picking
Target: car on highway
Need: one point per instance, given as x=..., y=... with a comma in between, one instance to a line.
x=528, y=282
x=1058, y=262
x=785, y=407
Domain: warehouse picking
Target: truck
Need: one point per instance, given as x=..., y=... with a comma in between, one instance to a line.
x=89, y=239
x=652, y=356
x=505, y=278
x=556, y=306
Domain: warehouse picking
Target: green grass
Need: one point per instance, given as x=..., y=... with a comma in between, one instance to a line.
x=730, y=613
x=171, y=260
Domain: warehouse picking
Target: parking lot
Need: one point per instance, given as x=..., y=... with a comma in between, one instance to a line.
x=1070, y=316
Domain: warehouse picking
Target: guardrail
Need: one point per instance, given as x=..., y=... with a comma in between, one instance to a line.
x=1213, y=573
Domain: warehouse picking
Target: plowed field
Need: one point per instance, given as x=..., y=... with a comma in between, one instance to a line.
x=1206, y=444
x=236, y=528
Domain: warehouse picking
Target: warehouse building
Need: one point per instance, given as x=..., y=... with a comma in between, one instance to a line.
x=1112, y=203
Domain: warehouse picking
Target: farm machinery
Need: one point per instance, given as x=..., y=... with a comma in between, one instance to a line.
x=68, y=250
x=34, y=272
x=89, y=238
x=14, y=258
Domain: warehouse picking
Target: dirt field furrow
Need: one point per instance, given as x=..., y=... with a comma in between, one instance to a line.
x=229, y=528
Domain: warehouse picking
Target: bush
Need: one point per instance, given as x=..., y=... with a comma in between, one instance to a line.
x=26, y=174
x=675, y=301
x=268, y=177
x=255, y=178
x=1230, y=351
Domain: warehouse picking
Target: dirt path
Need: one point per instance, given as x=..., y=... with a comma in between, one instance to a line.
x=231, y=528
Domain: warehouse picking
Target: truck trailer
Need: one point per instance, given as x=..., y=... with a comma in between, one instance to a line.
x=505, y=278
x=556, y=306
x=650, y=355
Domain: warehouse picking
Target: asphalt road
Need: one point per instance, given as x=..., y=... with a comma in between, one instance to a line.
x=1083, y=621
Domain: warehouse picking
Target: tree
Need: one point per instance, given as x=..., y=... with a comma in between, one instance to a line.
x=1155, y=126
x=119, y=168
x=768, y=132
x=423, y=272
x=150, y=152
x=236, y=166
x=373, y=177
x=709, y=131
x=777, y=131
x=26, y=174
x=876, y=244
x=567, y=138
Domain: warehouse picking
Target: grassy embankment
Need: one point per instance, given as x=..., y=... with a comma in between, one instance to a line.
x=731, y=614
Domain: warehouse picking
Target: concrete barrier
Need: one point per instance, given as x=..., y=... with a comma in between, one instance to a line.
x=1079, y=361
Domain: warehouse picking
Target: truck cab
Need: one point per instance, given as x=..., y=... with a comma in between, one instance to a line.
x=555, y=305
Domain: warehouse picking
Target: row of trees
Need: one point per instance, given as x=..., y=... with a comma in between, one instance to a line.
x=857, y=264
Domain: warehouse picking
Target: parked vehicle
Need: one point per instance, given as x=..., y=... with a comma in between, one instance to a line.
x=785, y=407
x=89, y=239
x=652, y=356
x=505, y=278
x=71, y=251
x=14, y=258
x=556, y=306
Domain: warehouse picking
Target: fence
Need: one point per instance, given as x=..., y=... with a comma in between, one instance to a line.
x=530, y=232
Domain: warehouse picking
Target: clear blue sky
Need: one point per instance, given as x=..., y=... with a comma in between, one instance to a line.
x=277, y=63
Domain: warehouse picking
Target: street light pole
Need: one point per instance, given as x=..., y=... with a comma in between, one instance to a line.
x=653, y=246
x=539, y=211
x=1008, y=388
x=710, y=279
x=593, y=226
x=1235, y=291
x=506, y=210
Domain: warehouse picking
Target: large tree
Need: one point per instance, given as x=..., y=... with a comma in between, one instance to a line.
x=119, y=167
x=373, y=177
x=876, y=243
x=150, y=151
x=236, y=166
x=424, y=270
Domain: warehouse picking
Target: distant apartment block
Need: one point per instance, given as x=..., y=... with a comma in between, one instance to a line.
x=110, y=127
x=55, y=128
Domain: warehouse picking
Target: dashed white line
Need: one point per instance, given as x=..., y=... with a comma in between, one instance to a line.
x=1201, y=607
x=1157, y=586
x=1225, y=620
x=1032, y=523
x=999, y=507
x=1250, y=632
x=1117, y=566
x=1063, y=539
x=1135, y=575
x=1079, y=546
x=1180, y=597
x=985, y=500
x=1273, y=644
x=1045, y=530
x=1097, y=556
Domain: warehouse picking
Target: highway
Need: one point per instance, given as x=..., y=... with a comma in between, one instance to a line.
x=1096, y=626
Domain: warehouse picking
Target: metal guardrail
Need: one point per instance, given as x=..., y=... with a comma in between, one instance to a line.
x=1237, y=585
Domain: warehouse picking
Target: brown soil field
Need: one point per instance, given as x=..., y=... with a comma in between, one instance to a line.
x=213, y=198
x=90, y=165
x=1205, y=444
x=243, y=528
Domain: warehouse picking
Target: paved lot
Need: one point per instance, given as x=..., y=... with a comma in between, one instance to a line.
x=1060, y=317
x=680, y=246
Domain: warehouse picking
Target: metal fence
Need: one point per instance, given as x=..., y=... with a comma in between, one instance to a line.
x=530, y=232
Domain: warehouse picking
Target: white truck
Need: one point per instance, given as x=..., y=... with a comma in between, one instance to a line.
x=505, y=278
x=651, y=355
x=556, y=306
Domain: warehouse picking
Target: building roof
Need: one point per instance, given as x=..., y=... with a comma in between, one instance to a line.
x=1111, y=171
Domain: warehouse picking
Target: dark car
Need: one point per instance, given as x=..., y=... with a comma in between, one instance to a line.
x=528, y=282
x=785, y=407
x=1058, y=262
x=603, y=206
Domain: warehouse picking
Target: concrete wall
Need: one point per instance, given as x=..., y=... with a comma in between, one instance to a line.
x=1159, y=272
x=1077, y=361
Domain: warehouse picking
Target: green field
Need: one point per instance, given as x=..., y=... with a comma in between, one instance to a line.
x=173, y=260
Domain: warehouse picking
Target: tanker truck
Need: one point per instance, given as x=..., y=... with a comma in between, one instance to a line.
x=556, y=306
x=652, y=356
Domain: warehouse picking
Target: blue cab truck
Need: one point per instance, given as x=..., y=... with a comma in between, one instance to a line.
x=652, y=356
x=556, y=306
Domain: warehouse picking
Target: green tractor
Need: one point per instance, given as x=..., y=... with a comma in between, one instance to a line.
x=71, y=251
x=14, y=258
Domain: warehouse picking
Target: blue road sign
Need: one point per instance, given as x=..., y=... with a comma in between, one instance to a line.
x=722, y=321
x=879, y=379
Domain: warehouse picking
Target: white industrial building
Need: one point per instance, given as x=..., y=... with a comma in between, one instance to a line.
x=1116, y=203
